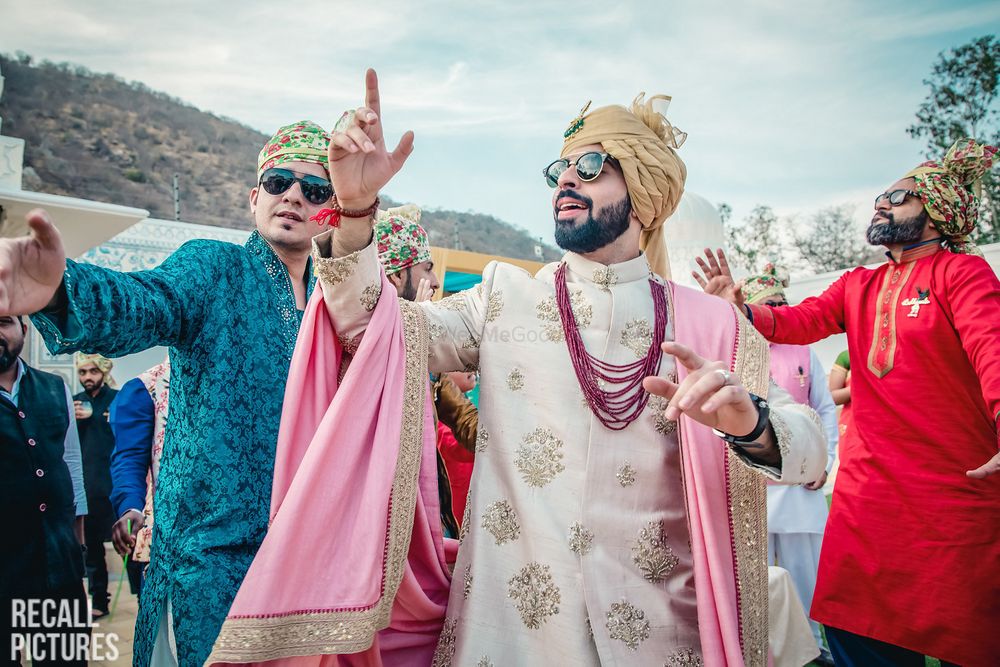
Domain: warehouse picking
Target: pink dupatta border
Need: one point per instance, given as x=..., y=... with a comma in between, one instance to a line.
x=730, y=569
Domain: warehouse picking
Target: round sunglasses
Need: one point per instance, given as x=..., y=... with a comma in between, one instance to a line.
x=588, y=167
x=276, y=181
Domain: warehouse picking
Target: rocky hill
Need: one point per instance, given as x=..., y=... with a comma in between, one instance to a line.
x=99, y=137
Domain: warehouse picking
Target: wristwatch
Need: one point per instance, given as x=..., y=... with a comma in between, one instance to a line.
x=763, y=417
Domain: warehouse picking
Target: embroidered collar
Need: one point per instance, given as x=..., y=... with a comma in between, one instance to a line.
x=259, y=248
x=606, y=275
x=917, y=250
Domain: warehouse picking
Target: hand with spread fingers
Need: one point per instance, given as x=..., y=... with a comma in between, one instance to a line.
x=712, y=396
x=718, y=278
x=424, y=290
x=360, y=163
x=31, y=267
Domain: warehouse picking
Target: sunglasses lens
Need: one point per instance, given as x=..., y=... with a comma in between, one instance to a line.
x=589, y=165
x=554, y=171
x=276, y=181
x=316, y=190
x=897, y=197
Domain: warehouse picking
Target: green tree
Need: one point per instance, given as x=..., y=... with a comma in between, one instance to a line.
x=962, y=102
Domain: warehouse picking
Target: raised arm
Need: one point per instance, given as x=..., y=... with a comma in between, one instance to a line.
x=116, y=313
x=974, y=298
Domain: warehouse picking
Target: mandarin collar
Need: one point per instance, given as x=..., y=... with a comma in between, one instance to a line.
x=917, y=251
x=606, y=275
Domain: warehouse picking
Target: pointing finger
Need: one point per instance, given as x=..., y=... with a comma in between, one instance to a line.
x=372, y=100
x=684, y=354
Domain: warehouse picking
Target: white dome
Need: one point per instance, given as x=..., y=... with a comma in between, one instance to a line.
x=694, y=226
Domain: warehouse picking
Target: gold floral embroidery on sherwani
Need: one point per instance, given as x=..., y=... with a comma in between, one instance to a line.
x=637, y=336
x=627, y=623
x=467, y=582
x=656, y=406
x=444, y=654
x=501, y=521
x=605, y=277
x=652, y=555
x=494, y=306
x=466, y=519
x=435, y=331
x=455, y=302
x=534, y=594
x=370, y=296
x=334, y=272
x=482, y=439
x=548, y=312
x=581, y=540
x=684, y=657
x=626, y=474
x=515, y=380
x=539, y=458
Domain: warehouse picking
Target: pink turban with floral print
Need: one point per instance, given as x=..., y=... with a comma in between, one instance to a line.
x=950, y=191
x=402, y=242
x=304, y=141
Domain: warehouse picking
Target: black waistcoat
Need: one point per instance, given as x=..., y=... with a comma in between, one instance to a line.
x=97, y=442
x=36, y=492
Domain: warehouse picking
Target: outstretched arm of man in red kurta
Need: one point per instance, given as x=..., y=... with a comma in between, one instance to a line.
x=814, y=319
x=974, y=296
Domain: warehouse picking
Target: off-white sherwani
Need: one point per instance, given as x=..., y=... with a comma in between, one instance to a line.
x=575, y=545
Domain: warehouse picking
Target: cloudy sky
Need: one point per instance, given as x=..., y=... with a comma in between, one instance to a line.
x=792, y=104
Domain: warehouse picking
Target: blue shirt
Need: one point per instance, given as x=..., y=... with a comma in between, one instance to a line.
x=132, y=420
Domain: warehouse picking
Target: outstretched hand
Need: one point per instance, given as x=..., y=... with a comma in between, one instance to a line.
x=709, y=394
x=31, y=267
x=991, y=467
x=718, y=278
x=360, y=163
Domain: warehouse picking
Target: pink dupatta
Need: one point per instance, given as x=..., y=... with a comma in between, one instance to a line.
x=353, y=568
x=726, y=513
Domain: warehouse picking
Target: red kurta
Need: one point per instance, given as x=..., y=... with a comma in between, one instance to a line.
x=911, y=554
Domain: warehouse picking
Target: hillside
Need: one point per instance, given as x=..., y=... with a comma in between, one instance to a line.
x=99, y=137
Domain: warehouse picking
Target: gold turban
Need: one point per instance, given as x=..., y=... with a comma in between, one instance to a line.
x=103, y=364
x=645, y=145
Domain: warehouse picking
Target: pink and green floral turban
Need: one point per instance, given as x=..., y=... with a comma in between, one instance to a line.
x=950, y=191
x=304, y=141
x=402, y=242
x=769, y=283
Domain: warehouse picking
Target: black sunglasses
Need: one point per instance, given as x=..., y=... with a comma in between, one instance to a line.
x=588, y=167
x=277, y=181
x=896, y=197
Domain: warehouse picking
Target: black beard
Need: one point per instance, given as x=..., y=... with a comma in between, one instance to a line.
x=8, y=357
x=891, y=232
x=596, y=231
x=409, y=291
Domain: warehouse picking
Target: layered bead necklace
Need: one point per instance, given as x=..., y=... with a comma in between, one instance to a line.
x=625, y=399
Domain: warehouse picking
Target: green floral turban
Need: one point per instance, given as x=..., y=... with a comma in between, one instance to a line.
x=304, y=141
x=402, y=242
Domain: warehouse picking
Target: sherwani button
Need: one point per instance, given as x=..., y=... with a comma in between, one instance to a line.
x=42, y=507
x=31, y=441
x=40, y=472
x=21, y=414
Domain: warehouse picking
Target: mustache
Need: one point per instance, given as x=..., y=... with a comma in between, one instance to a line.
x=886, y=215
x=571, y=194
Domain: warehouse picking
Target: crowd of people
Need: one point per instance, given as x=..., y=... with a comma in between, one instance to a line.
x=305, y=476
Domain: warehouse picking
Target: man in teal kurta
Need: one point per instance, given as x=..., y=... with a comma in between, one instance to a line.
x=230, y=316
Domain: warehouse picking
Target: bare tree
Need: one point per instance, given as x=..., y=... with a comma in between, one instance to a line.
x=755, y=241
x=832, y=240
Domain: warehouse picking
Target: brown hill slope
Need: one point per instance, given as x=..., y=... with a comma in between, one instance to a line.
x=99, y=137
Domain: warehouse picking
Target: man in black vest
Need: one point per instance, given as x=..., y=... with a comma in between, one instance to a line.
x=97, y=441
x=42, y=504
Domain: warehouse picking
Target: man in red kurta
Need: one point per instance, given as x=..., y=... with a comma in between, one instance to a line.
x=911, y=558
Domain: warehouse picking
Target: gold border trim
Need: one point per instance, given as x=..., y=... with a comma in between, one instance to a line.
x=243, y=640
x=879, y=312
x=748, y=502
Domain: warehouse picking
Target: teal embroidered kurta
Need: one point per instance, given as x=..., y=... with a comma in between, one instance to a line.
x=228, y=315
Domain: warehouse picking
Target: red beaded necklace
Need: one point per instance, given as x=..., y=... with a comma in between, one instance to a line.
x=619, y=407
